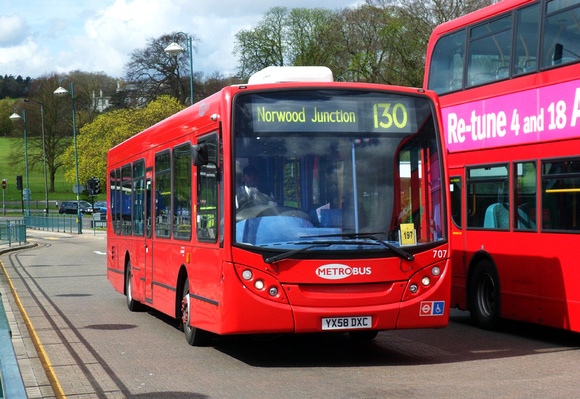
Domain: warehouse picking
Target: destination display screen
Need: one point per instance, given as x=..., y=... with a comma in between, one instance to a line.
x=330, y=111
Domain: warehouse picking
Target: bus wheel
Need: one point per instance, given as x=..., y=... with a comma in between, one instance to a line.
x=194, y=336
x=484, y=296
x=363, y=336
x=132, y=304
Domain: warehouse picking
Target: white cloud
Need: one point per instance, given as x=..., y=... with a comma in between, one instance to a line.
x=99, y=35
x=13, y=30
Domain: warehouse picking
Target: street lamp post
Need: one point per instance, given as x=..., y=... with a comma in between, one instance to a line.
x=175, y=49
x=61, y=91
x=43, y=152
x=13, y=117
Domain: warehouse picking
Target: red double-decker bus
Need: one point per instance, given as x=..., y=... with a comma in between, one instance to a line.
x=508, y=79
x=285, y=208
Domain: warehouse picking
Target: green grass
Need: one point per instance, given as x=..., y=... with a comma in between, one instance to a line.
x=63, y=189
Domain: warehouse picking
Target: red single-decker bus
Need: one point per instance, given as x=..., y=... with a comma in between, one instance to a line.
x=304, y=206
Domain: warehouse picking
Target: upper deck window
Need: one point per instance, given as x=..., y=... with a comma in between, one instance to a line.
x=561, y=42
x=489, y=52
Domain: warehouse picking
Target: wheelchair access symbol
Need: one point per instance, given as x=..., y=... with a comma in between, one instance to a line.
x=432, y=308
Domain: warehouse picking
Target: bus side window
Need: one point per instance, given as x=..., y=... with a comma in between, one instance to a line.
x=562, y=34
x=525, y=195
x=446, y=72
x=527, y=37
x=163, y=194
x=560, y=182
x=126, y=199
x=182, y=192
x=456, y=189
x=489, y=52
x=488, y=199
x=207, y=190
x=112, y=198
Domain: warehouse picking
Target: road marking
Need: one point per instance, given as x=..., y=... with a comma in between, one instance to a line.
x=100, y=253
x=44, y=360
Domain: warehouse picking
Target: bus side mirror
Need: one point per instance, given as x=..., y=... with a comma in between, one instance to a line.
x=200, y=154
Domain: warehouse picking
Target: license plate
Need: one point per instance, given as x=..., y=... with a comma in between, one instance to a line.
x=347, y=323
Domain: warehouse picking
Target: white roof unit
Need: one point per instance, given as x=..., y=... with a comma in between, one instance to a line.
x=277, y=74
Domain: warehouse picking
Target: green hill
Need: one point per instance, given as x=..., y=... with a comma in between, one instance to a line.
x=63, y=189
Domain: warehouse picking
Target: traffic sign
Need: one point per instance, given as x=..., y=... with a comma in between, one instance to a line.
x=3, y=184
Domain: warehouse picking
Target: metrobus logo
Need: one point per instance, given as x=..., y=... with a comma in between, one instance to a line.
x=337, y=271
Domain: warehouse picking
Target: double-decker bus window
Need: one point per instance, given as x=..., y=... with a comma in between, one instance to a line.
x=561, y=33
x=163, y=194
x=525, y=197
x=527, y=40
x=126, y=191
x=182, y=192
x=488, y=204
x=489, y=52
x=560, y=192
x=207, y=192
x=446, y=72
x=138, y=197
x=455, y=188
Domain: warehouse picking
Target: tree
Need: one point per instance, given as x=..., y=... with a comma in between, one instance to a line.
x=109, y=129
x=57, y=118
x=6, y=109
x=263, y=45
x=312, y=37
x=151, y=72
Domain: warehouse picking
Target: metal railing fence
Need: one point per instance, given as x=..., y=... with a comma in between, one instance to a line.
x=58, y=223
x=12, y=232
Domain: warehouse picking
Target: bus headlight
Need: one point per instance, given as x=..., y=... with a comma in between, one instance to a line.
x=261, y=283
x=414, y=288
x=425, y=281
x=435, y=271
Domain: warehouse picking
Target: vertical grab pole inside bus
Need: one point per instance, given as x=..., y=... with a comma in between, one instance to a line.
x=354, y=184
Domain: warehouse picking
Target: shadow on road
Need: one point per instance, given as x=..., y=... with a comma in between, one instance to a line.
x=459, y=342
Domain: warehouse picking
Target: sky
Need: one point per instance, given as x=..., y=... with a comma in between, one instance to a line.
x=40, y=37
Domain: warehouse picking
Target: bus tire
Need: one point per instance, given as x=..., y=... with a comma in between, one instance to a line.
x=484, y=296
x=132, y=304
x=193, y=335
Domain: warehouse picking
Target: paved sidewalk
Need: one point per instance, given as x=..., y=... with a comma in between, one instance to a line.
x=33, y=371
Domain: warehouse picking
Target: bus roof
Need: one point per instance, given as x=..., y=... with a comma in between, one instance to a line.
x=280, y=74
x=483, y=13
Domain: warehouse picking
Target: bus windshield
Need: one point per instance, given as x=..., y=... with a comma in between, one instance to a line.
x=336, y=170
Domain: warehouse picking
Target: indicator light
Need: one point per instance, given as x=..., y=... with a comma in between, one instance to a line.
x=425, y=281
x=435, y=271
x=273, y=291
x=247, y=274
x=414, y=288
x=259, y=284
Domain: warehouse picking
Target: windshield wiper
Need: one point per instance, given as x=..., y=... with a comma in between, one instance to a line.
x=397, y=250
x=289, y=254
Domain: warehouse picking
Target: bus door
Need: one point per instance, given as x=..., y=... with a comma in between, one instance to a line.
x=148, y=241
x=458, y=260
